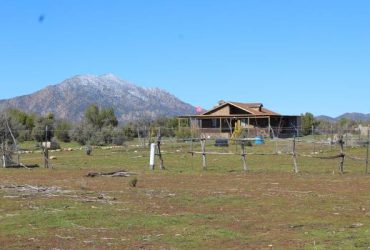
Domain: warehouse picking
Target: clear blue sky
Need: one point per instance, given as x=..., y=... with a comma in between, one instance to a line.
x=294, y=56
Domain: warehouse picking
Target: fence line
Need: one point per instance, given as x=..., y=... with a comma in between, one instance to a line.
x=290, y=147
x=341, y=155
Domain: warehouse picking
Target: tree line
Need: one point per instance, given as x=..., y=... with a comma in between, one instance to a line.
x=99, y=126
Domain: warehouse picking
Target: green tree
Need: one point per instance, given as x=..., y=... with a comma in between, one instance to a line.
x=92, y=116
x=130, y=131
x=168, y=125
x=100, y=118
x=308, y=120
x=24, y=123
x=62, y=129
x=82, y=133
x=44, y=129
x=7, y=123
x=108, y=118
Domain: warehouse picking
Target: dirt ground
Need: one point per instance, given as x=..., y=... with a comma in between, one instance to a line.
x=183, y=207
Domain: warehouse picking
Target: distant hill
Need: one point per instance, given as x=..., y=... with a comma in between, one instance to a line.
x=325, y=118
x=351, y=116
x=70, y=98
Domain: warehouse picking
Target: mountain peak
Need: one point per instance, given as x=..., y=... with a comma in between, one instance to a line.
x=91, y=77
x=110, y=76
x=70, y=98
x=106, y=80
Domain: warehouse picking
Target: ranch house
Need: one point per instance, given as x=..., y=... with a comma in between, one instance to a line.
x=251, y=119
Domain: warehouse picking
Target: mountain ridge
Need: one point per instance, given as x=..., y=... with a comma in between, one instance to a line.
x=355, y=116
x=69, y=99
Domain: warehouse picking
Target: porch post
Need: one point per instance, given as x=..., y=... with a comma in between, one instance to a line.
x=220, y=125
x=269, y=133
x=231, y=126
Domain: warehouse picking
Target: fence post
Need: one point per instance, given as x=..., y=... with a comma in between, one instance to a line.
x=203, y=145
x=151, y=156
x=159, y=137
x=342, y=155
x=3, y=152
x=191, y=147
x=367, y=151
x=294, y=157
x=331, y=137
x=243, y=154
x=46, y=149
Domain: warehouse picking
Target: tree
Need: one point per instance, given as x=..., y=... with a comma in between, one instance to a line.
x=62, y=131
x=108, y=118
x=92, y=116
x=24, y=123
x=8, y=128
x=82, y=133
x=100, y=118
x=130, y=130
x=168, y=125
x=308, y=120
x=98, y=127
x=44, y=129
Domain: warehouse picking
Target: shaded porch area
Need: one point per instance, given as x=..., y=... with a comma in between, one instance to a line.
x=247, y=126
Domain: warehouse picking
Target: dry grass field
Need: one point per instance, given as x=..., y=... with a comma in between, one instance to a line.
x=185, y=207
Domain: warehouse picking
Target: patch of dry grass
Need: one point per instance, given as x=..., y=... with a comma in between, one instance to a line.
x=184, y=207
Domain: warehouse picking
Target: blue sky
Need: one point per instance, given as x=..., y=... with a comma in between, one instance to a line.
x=294, y=56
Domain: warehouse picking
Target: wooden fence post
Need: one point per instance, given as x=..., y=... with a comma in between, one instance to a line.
x=203, y=145
x=243, y=154
x=159, y=137
x=191, y=147
x=14, y=140
x=3, y=151
x=46, y=149
x=342, y=155
x=331, y=137
x=295, y=167
x=367, y=151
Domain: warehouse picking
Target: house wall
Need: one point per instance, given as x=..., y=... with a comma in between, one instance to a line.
x=222, y=111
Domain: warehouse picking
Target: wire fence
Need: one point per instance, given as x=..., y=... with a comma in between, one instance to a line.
x=316, y=152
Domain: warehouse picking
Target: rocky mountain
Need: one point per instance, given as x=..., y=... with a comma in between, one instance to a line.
x=70, y=98
x=350, y=116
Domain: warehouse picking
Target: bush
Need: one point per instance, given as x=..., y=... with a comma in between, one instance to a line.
x=183, y=133
x=133, y=182
x=118, y=137
x=97, y=139
x=129, y=131
x=62, y=131
x=82, y=133
x=54, y=144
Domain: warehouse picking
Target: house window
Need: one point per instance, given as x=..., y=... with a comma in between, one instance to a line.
x=214, y=123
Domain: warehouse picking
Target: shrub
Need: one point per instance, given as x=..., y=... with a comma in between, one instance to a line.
x=133, y=182
x=62, y=131
x=118, y=137
x=82, y=133
x=183, y=133
x=54, y=144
